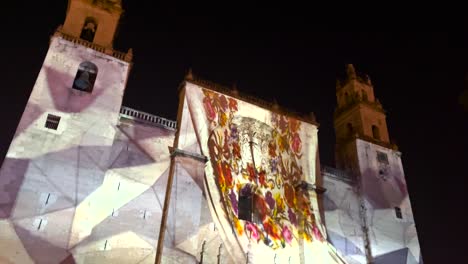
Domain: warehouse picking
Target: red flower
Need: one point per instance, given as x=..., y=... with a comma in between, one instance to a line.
x=226, y=152
x=251, y=171
x=296, y=143
x=210, y=112
x=223, y=102
x=236, y=150
x=272, y=229
x=232, y=104
x=294, y=125
x=262, y=208
x=289, y=194
x=262, y=178
x=272, y=149
x=283, y=124
x=227, y=174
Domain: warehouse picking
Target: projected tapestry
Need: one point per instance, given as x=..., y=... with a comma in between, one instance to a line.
x=256, y=158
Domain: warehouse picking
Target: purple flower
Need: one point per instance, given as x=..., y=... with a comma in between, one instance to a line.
x=233, y=199
x=270, y=200
x=292, y=217
x=274, y=165
x=234, y=133
x=246, y=190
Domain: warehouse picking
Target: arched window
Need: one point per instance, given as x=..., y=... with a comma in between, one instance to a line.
x=350, y=129
x=347, y=98
x=375, y=132
x=85, y=77
x=89, y=29
x=364, y=96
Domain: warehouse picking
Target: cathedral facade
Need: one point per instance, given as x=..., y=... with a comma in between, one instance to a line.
x=233, y=180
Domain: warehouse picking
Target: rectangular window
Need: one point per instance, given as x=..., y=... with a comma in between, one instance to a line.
x=245, y=208
x=398, y=213
x=52, y=121
x=382, y=157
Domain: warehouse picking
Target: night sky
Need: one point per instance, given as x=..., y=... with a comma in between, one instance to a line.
x=418, y=77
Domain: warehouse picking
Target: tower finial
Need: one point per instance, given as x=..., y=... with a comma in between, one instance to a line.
x=189, y=75
x=350, y=72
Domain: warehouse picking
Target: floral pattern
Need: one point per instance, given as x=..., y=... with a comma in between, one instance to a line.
x=280, y=211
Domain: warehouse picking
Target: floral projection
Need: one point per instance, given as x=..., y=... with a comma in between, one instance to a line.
x=253, y=159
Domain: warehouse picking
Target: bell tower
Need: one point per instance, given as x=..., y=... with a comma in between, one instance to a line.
x=63, y=143
x=359, y=114
x=95, y=21
x=363, y=149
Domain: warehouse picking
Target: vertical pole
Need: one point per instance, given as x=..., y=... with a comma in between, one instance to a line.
x=167, y=197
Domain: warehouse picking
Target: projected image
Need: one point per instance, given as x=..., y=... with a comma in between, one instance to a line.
x=256, y=167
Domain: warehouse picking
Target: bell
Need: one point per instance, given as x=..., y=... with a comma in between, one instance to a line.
x=83, y=83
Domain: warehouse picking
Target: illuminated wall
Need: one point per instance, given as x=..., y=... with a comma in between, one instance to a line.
x=220, y=127
x=92, y=190
x=392, y=234
x=380, y=188
x=342, y=216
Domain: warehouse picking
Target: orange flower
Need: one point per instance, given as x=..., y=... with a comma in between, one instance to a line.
x=279, y=203
x=238, y=226
x=222, y=119
x=282, y=143
x=227, y=174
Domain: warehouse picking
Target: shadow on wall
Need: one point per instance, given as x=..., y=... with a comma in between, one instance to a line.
x=12, y=177
x=41, y=251
x=383, y=193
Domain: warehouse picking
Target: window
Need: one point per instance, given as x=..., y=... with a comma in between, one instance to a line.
x=364, y=96
x=347, y=98
x=85, y=77
x=245, y=208
x=52, y=121
x=398, y=213
x=89, y=29
x=382, y=157
x=375, y=132
x=350, y=129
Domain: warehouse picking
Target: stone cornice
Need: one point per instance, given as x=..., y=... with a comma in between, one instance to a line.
x=344, y=141
x=233, y=92
x=339, y=111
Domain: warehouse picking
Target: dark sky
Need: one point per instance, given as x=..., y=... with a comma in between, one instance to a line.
x=418, y=78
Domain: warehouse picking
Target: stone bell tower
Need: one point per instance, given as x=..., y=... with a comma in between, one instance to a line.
x=358, y=114
x=95, y=21
x=364, y=150
x=62, y=144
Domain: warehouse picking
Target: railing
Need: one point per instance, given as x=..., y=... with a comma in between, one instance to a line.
x=109, y=51
x=150, y=119
x=334, y=172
